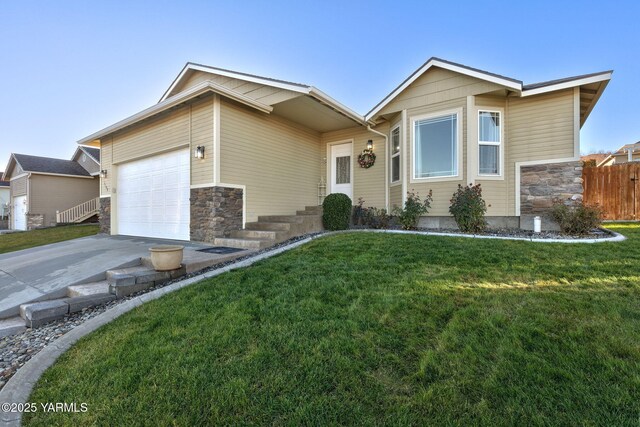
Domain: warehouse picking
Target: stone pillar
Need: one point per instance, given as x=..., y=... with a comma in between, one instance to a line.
x=215, y=212
x=104, y=216
x=541, y=185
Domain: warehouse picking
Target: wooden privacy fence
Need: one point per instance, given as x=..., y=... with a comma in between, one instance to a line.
x=615, y=188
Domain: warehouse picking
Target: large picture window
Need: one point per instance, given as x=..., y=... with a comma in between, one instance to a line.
x=489, y=141
x=395, y=154
x=436, y=147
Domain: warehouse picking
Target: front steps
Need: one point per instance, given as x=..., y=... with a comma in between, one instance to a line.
x=272, y=229
x=119, y=283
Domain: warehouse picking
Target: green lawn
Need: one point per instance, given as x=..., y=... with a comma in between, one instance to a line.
x=373, y=329
x=29, y=239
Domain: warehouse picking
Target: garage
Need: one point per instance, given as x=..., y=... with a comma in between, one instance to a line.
x=153, y=196
x=19, y=213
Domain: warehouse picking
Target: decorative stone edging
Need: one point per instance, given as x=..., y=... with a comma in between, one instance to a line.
x=19, y=387
x=616, y=237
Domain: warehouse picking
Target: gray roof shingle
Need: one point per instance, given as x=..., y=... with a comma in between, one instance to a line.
x=93, y=152
x=49, y=165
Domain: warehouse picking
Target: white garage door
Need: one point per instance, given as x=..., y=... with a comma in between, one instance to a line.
x=153, y=196
x=19, y=212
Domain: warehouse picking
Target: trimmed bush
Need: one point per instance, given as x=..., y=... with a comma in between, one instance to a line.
x=577, y=219
x=468, y=208
x=414, y=208
x=336, y=211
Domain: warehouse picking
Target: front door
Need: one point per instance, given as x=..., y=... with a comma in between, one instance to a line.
x=341, y=169
x=19, y=213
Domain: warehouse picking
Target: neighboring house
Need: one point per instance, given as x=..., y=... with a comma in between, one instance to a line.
x=222, y=148
x=4, y=200
x=42, y=187
x=625, y=154
x=594, y=159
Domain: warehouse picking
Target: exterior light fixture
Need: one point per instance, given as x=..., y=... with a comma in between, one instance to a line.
x=199, y=153
x=103, y=173
x=369, y=145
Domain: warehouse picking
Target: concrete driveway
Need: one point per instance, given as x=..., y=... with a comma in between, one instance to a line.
x=32, y=273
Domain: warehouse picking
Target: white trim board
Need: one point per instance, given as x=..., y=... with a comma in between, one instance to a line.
x=518, y=166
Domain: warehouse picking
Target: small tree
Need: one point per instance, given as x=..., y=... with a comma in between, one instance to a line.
x=414, y=208
x=336, y=211
x=468, y=208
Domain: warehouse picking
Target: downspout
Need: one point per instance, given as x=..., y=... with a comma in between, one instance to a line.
x=386, y=166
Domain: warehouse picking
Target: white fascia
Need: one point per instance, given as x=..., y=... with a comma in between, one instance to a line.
x=567, y=85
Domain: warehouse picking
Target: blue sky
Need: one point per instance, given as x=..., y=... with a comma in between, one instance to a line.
x=71, y=68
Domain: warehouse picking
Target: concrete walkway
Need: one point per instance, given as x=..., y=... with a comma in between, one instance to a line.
x=31, y=274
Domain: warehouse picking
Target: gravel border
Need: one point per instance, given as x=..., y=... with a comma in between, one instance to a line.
x=26, y=356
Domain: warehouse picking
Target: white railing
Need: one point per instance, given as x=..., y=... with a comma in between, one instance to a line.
x=78, y=213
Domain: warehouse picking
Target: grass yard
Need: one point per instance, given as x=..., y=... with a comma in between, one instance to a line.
x=29, y=239
x=373, y=329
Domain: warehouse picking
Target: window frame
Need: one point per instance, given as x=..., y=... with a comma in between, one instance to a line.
x=458, y=112
x=392, y=156
x=500, y=145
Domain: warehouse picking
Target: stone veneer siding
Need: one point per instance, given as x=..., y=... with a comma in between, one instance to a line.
x=215, y=212
x=104, y=215
x=540, y=185
x=35, y=221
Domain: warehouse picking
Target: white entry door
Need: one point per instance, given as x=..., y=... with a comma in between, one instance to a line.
x=153, y=196
x=19, y=213
x=341, y=169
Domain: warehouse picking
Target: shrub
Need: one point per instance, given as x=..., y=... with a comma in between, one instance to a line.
x=468, y=208
x=413, y=209
x=336, y=211
x=360, y=213
x=576, y=219
x=377, y=218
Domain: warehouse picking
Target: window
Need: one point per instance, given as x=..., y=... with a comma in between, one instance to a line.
x=436, y=147
x=489, y=140
x=395, y=154
x=343, y=170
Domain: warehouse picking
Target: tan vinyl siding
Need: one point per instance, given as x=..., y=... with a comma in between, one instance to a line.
x=166, y=132
x=395, y=196
x=367, y=183
x=189, y=126
x=442, y=190
x=539, y=128
x=435, y=86
x=106, y=159
x=202, y=134
x=88, y=163
x=277, y=160
x=50, y=193
x=19, y=186
x=266, y=94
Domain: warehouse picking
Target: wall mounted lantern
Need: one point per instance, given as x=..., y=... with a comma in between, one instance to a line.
x=199, y=153
x=369, y=145
x=103, y=173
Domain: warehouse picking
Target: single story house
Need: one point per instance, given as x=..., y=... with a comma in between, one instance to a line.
x=46, y=191
x=625, y=154
x=258, y=146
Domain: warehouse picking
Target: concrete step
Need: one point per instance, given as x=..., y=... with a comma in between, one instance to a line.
x=268, y=226
x=308, y=213
x=317, y=209
x=293, y=219
x=85, y=289
x=260, y=234
x=11, y=326
x=246, y=243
